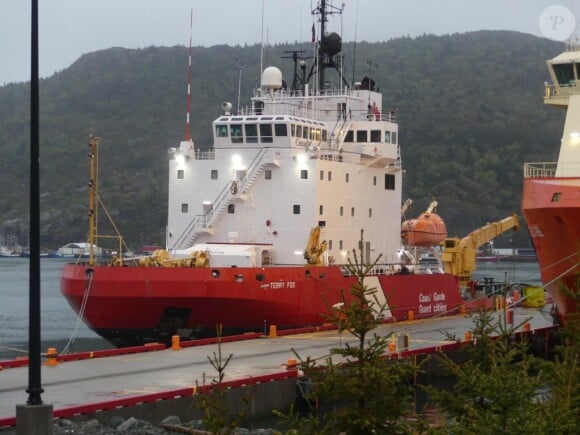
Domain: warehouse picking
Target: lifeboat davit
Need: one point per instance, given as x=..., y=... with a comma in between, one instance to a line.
x=426, y=231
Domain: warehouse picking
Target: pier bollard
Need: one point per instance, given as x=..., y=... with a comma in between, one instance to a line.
x=291, y=364
x=175, y=342
x=273, y=331
x=392, y=344
x=411, y=315
x=51, y=357
x=467, y=336
x=526, y=327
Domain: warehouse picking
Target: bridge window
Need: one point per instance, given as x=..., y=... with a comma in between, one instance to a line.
x=349, y=136
x=305, y=132
x=304, y=174
x=370, y=212
x=375, y=180
x=564, y=73
x=231, y=208
x=329, y=175
x=352, y=211
x=394, y=137
x=221, y=130
x=375, y=135
x=296, y=209
x=251, y=133
x=389, y=182
x=214, y=174
x=184, y=207
x=330, y=245
x=268, y=174
x=266, y=133
x=340, y=244
x=341, y=211
x=322, y=175
x=324, y=135
x=293, y=130
x=361, y=135
x=298, y=131
x=387, y=136
x=237, y=136
x=320, y=209
x=281, y=129
x=346, y=178
x=180, y=174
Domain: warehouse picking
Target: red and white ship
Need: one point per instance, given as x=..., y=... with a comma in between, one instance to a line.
x=551, y=191
x=319, y=160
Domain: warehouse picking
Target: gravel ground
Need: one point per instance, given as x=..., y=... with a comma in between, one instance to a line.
x=118, y=425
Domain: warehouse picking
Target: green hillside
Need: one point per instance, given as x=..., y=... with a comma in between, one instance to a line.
x=470, y=114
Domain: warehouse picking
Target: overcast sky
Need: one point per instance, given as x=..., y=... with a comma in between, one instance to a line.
x=69, y=28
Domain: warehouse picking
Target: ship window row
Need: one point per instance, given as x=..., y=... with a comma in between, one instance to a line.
x=567, y=73
x=389, y=178
x=264, y=133
x=295, y=209
x=341, y=211
x=340, y=245
x=374, y=136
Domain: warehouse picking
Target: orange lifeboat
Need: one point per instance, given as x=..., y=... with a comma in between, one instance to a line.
x=426, y=231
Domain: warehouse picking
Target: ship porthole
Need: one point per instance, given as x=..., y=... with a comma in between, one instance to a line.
x=215, y=273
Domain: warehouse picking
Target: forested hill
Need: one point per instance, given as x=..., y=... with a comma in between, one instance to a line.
x=470, y=114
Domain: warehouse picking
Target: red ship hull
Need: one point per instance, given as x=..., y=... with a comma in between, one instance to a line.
x=133, y=305
x=551, y=207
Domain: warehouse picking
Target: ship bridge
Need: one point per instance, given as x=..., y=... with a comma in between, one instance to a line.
x=564, y=92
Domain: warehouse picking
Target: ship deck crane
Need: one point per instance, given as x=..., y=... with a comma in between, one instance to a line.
x=314, y=251
x=459, y=255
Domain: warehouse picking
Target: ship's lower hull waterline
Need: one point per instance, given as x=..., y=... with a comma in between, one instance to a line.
x=135, y=305
x=551, y=207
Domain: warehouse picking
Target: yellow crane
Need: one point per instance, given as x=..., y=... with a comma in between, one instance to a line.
x=459, y=255
x=315, y=249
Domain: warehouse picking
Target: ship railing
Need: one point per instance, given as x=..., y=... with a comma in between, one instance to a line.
x=291, y=108
x=377, y=269
x=551, y=169
x=540, y=170
x=560, y=90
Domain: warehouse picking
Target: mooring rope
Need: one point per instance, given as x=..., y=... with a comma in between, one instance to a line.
x=80, y=315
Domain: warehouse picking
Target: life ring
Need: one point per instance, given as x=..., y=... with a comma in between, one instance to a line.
x=234, y=188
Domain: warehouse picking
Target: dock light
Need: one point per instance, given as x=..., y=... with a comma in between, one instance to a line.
x=298, y=252
x=237, y=162
x=301, y=158
x=574, y=135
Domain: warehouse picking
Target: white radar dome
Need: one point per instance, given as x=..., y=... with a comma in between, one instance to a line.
x=272, y=78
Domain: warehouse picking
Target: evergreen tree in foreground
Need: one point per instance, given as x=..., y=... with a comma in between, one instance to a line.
x=360, y=390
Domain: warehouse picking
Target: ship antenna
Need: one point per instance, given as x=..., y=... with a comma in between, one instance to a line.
x=355, y=41
x=188, y=98
x=240, y=67
x=262, y=47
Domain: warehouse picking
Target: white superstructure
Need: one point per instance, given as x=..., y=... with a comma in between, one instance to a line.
x=314, y=155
